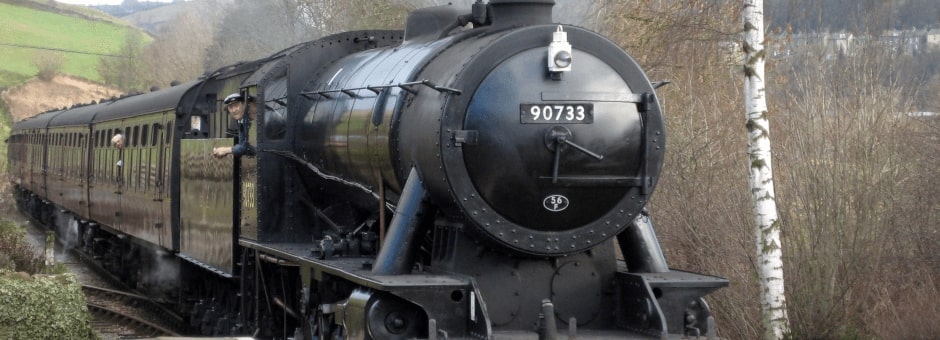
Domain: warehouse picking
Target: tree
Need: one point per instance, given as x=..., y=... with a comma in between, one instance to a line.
x=179, y=51
x=125, y=71
x=767, y=228
x=255, y=29
x=49, y=64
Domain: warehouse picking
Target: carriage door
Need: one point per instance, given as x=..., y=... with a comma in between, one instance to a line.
x=206, y=199
x=248, y=177
x=107, y=184
x=161, y=143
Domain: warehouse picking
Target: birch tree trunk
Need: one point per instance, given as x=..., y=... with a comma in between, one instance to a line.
x=767, y=228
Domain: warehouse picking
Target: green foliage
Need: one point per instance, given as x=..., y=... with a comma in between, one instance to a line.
x=27, y=32
x=43, y=307
x=40, y=306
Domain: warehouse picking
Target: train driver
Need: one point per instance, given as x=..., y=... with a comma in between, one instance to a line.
x=236, y=107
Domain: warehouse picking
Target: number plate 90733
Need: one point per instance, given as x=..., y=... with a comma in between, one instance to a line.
x=556, y=113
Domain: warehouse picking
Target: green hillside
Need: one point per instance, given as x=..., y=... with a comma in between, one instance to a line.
x=77, y=37
x=31, y=30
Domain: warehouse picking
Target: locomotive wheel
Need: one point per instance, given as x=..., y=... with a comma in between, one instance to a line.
x=390, y=319
x=382, y=316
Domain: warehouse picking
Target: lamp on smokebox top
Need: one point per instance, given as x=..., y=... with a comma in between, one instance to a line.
x=559, y=54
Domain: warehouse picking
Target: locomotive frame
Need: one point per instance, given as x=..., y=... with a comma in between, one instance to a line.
x=376, y=206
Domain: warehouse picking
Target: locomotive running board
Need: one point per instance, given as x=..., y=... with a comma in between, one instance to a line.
x=424, y=290
x=660, y=302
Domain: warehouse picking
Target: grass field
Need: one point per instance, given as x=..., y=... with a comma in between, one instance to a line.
x=27, y=34
x=76, y=36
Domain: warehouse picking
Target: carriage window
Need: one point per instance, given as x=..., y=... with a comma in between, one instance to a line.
x=134, y=134
x=143, y=135
x=169, y=133
x=155, y=136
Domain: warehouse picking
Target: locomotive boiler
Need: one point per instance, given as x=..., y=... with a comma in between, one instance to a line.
x=473, y=176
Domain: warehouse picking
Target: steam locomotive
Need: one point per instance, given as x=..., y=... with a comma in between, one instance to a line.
x=473, y=176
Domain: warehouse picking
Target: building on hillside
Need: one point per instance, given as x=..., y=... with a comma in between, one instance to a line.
x=839, y=43
x=933, y=39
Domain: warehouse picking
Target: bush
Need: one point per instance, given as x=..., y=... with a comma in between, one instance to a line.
x=43, y=307
x=20, y=255
x=49, y=64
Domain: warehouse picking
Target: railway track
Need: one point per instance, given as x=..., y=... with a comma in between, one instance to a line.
x=130, y=315
x=126, y=325
x=120, y=311
x=117, y=311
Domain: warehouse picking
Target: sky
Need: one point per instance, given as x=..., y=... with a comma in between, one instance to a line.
x=102, y=2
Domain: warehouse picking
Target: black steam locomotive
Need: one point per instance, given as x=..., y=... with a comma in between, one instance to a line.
x=469, y=177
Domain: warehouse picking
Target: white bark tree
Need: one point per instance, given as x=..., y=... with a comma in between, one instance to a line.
x=767, y=227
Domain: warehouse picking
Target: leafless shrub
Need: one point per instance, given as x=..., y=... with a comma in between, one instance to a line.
x=255, y=29
x=125, y=71
x=855, y=176
x=701, y=205
x=15, y=250
x=849, y=179
x=49, y=64
x=179, y=52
